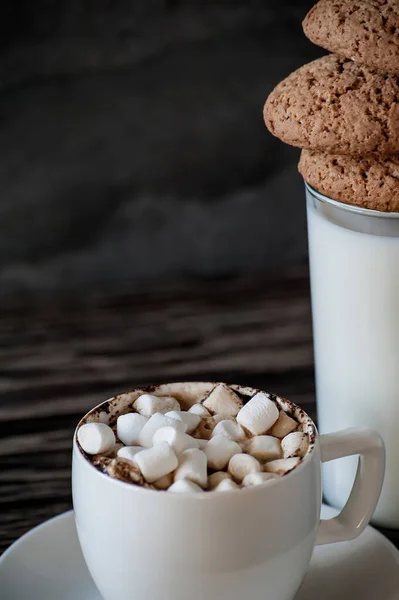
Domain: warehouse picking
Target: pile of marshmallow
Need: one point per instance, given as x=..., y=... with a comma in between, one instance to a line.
x=219, y=444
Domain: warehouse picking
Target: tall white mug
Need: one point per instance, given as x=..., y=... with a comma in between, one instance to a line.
x=142, y=544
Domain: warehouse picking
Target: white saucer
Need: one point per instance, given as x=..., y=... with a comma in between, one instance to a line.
x=47, y=564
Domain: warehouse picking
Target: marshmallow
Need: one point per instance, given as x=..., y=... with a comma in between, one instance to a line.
x=198, y=409
x=253, y=479
x=164, y=483
x=156, y=462
x=129, y=452
x=96, y=437
x=219, y=451
x=124, y=470
x=202, y=443
x=241, y=465
x=264, y=447
x=283, y=426
x=191, y=420
x=295, y=444
x=216, y=478
x=177, y=440
x=113, y=452
x=156, y=422
x=103, y=417
x=223, y=417
x=282, y=466
x=193, y=466
x=184, y=487
x=230, y=429
x=259, y=414
x=222, y=400
x=148, y=405
x=204, y=429
x=226, y=486
x=129, y=426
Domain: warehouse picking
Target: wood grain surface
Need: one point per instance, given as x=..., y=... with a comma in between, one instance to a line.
x=59, y=356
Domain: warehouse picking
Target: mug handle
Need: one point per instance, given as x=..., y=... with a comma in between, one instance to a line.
x=358, y=510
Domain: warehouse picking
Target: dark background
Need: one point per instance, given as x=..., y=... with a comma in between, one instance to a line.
x=133, y=146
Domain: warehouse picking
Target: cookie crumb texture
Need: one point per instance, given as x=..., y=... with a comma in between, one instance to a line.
x=366, y=31
x=335, y=105
x=366, y=182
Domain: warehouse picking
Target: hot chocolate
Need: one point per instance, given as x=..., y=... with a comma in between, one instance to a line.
x=217, y=439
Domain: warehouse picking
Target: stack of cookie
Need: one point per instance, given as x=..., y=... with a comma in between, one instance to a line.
x=343, y=109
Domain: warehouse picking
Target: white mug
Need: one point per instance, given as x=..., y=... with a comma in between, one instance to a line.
x=142, y=544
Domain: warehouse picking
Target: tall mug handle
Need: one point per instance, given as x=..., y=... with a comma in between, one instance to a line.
x=358, y=510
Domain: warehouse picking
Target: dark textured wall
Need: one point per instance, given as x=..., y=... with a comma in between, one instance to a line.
x=132, y=141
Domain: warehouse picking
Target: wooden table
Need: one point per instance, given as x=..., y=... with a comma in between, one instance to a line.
x=59, y=356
